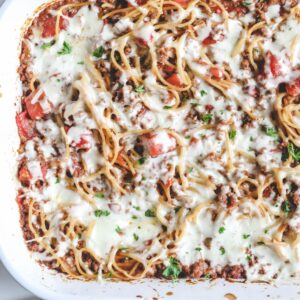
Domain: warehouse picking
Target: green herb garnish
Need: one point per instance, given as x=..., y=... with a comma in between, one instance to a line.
x=142, y=160
x=57, y=180
x=136, y=237
x=246, y=236
x=149, y=213
x=198, y=249
x=48, y=45
x=206, y=118
x=118, y=229
x=140, y=89
x=98, y=52
x=248, y=257
x=167, y=107
x=101, y=213
x=99, y=195
x=294, y=151
x=232, y=134
x=286, y=207
x=203, y=93
x=176, y=209
x=270, y=131
x=118, y=57
x=221, y=230
x=207, y=276
x=66, y=49
x=222, y=250
x=246, y=4
x=173, y=269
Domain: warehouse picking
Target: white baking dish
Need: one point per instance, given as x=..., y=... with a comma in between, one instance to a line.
x=44, y=283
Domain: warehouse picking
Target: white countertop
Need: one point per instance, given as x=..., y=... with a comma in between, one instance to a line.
x=9, y=288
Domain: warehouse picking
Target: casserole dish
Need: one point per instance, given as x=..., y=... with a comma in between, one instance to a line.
x=47, y=284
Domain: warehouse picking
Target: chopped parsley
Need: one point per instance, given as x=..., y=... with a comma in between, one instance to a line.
x=140, y=89
x=294, y=151
x=167, y=107
x=266, y=231
x=149, y=213
x=270, y=131
x=232, y=134
x=57, y=180
x=118, y=229
x=134, y=217
x=198, y=249
x=248, y=257
x=251, y=139
x=286, y=207
x=136, y=207
x=98, y=52
x=221, y=230
x=176, y=209
x=246, y=236
x=142, y=160
x=99, y=195
x=222, y=250
x=207, y=276
x=203, y=93
x=136, y=237
x=66, y=49
x=206, y=118
x=173, y=270
x=246, y=3
x=80, y=63
x=48, y=45
x=194, y=104
x=118, y=57
x=101, y=213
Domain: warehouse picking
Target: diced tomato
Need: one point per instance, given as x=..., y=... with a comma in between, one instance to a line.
x=274, y=64
x=44, y=168
x=174, y=79
x=194, y=140
x=216, y=72
x=20, y=197
x=48, y=26
x=208, y=41
x=121, y=161
x=293, y=88
x=83, y=144
x=25, y=126
x=76, y=169
x=168, y=68
x=141, y=2
x=169, y=183
x=24, y=175
x=182, y=2
x=209, y=107
x=142, y=42
x=67, y=128
x=201, y=62
x=34, y=110
x=159, y=143
x=216, y=9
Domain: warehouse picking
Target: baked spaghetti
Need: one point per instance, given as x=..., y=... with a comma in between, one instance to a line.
x=162, y=139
